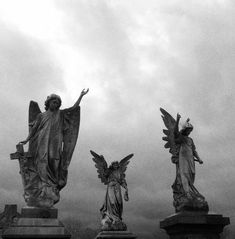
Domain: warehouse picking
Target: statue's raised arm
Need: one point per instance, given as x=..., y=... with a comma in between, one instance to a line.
x=83, y=92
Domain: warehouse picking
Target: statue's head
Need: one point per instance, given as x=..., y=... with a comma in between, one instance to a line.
x=187, y=128
x=114, y=165
x=53, y=102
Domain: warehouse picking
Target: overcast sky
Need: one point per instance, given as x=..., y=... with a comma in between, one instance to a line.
x=135, y=56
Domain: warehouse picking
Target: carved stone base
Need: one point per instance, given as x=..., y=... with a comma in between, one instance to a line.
x=35, y=212
x=194, y=225
x=115, y=234
x=9, y=215
x=37, y=223
x=193, y=205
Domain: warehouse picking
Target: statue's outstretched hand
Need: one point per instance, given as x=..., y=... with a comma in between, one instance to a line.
x=84, y=92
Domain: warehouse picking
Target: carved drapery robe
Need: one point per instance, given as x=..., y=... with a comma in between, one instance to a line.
x=53, y=137
x=112, y=208
x=183, y=186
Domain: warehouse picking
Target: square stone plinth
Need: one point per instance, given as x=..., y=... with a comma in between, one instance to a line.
x=115, y=234
x=37, y=223
x=34, y=212
x=194, y=225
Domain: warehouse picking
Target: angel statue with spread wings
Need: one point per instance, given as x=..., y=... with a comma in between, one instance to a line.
x=114, y=177
x=184, y=154
x=52, y=139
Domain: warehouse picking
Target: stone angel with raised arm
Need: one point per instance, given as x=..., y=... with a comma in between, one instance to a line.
x=184, y=154
x=52, y=138
x=114, y=177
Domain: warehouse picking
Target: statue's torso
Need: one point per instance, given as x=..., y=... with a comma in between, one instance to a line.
x=50, y=134
x=114, y=178
x=186, y=158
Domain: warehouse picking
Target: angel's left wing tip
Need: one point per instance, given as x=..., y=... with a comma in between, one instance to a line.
x=129, y=156
x=162, y=110
x=93, y=153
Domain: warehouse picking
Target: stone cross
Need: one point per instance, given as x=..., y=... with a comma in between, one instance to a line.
x=24, y=162
x=19, y=152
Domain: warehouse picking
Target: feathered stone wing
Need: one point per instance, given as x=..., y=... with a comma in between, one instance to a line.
x=123, y=164
x=34, y=111
x=170, y=122
x=102, y=167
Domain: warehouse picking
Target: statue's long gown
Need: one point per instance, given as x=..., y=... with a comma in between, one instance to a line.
x=113, y=203
x=54, y=136
x=183, y=186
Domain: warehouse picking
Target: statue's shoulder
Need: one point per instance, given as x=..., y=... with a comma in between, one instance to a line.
x=43, y=114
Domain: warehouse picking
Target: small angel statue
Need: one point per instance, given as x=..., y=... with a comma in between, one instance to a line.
x=114, y=177
x=184, y=154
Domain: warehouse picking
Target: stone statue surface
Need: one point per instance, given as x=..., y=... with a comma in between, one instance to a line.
x=114, y=177
x=52, y=138
x=184, y=154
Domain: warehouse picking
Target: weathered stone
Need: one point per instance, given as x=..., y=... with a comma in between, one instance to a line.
x=184, y=154
x=35, y=212
x=8, y=216
x=114, y=177
x=116, y=235
x=52, y=138
x=194, y=225
x=36, y=225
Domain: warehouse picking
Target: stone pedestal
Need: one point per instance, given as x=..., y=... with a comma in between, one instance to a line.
x=37, y=223
x=194, y=225
x=115, y=234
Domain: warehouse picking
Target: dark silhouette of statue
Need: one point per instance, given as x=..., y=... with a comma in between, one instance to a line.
x=52, y=139
x=114, y=177
x=184, y=154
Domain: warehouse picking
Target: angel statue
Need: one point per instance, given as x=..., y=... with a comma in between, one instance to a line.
x=52, y=139
x=114, y=177
x=184, y=154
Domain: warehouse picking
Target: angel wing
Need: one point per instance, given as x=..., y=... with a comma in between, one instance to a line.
x=170, y=122
x=34, y=110
x=123, y=164
x=102, y=167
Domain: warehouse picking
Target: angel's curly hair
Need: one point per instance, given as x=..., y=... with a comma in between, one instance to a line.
x=52, y=97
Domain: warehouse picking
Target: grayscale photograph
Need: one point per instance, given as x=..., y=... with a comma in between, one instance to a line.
x=117, y=119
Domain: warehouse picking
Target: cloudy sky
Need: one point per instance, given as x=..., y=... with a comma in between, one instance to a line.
x=135, y=56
